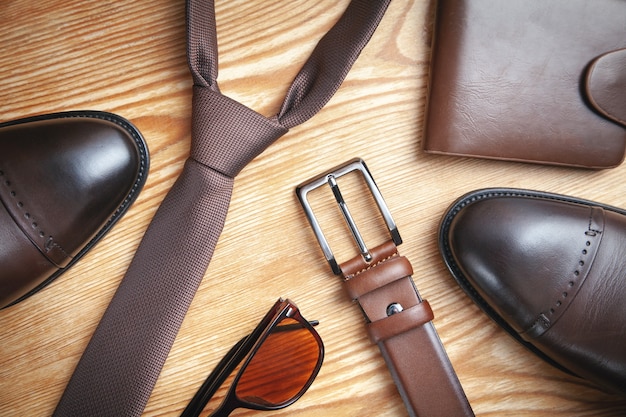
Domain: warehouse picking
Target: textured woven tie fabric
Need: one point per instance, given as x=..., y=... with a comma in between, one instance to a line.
x=120, y=366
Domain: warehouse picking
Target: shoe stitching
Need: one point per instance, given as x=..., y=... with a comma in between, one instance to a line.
x=578, y=269
x=487, y=194
x=128, y=128
x=131, y=196
x=48, y=243
x=544, y=322
x=458, y=275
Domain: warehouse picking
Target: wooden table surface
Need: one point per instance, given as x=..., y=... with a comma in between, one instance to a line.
x=129, y=57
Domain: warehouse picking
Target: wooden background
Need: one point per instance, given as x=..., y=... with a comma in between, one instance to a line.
x=128, y=57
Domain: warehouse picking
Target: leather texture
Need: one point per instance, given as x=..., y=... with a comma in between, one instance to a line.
x=529, y=80
x=65, y=179
x=407, y=339
x=550, y=270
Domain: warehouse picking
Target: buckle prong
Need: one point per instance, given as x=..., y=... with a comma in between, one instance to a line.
x=330, y=179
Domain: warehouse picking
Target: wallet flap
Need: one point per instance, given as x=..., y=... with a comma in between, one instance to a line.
x=605, y=85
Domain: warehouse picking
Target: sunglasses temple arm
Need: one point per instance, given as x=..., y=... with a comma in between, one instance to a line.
x=216, y=378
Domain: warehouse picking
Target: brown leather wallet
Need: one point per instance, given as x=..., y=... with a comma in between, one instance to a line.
x=529, y=80
x=398, y=320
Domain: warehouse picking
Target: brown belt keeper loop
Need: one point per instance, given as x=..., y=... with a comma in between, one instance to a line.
x=398, y=323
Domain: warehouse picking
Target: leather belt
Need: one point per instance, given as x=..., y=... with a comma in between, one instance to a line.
x=398, y=320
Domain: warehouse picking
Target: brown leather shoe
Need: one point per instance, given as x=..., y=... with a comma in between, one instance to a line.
x=551, y=270
x=65, y=179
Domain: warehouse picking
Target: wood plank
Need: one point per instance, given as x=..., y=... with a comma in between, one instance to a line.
x=129, y=57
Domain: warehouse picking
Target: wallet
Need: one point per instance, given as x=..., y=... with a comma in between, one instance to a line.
x=540, y=81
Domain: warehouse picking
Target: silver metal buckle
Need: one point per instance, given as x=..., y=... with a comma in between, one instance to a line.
x=330, y=178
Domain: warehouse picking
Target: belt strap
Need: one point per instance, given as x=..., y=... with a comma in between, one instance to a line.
x=400, y=323
x=118, y=370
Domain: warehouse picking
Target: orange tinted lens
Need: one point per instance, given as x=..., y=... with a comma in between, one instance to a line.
x=281, y=367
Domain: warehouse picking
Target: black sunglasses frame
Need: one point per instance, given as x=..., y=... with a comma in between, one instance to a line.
x=246, y=348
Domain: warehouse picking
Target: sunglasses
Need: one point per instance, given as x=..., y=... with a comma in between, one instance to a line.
x=281, y=358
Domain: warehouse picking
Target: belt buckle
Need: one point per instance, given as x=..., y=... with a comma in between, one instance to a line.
x=330, y=178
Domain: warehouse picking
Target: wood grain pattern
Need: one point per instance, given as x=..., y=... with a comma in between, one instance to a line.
x=129, y=57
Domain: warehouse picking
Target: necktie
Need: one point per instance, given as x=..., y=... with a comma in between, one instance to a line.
x=118, y=370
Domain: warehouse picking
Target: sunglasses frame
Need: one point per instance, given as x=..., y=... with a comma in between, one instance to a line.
x=246, y=348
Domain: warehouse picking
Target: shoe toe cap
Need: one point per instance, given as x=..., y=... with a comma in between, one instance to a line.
x=64, y=180
x=549, y=270
x=522, y=254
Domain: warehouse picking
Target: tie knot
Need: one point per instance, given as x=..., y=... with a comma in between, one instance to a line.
x=227, y=135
